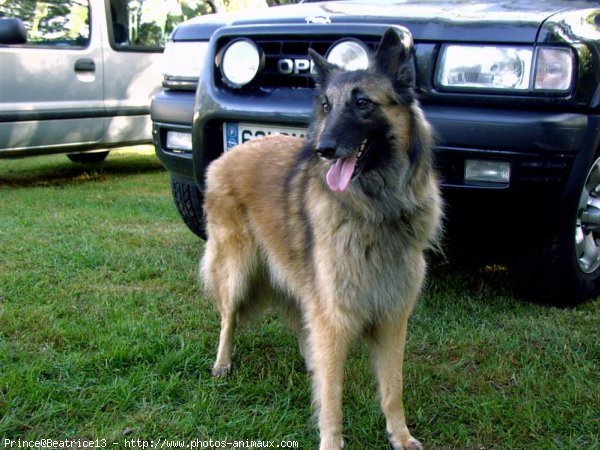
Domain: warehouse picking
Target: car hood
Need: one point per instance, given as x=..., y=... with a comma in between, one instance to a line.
x=457, y=20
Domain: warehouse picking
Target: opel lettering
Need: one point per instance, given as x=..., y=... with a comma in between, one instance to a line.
x=287, y=66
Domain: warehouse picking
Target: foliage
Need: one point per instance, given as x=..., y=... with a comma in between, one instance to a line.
x=51, y=20
x=147, y=22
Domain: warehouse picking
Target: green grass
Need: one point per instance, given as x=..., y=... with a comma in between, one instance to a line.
x=104, y=335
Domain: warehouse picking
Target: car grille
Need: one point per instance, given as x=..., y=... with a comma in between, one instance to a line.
x=293, y=48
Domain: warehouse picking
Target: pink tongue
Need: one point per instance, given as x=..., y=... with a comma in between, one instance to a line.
x=339, y=175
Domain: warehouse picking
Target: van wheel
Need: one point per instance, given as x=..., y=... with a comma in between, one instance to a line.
x=189, y=200
x=564, y=269
x=88, y=158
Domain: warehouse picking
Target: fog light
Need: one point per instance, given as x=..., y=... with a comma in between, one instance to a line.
x=178, y=140
x=487, y=171
x=349, y=54
x=240, y=62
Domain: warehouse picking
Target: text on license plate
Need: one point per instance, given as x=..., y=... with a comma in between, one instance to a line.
x=238, y=133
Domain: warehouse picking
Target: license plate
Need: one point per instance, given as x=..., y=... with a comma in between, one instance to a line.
x=238, y=133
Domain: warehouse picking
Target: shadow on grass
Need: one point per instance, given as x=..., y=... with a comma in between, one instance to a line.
x=58, y=170
x=464, y=273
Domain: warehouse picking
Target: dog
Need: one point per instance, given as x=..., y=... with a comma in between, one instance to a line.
x=333, y=229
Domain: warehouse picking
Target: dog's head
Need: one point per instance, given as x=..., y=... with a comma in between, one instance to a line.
x=363, y=117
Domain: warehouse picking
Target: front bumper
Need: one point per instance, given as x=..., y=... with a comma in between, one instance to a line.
x=172, y=111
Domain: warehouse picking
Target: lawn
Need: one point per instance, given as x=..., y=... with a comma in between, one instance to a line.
x=104, y=336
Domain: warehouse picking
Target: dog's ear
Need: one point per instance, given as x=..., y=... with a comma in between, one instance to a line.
x=323, y=68
x=393, y=57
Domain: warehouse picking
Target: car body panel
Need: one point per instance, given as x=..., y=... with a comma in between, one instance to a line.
x=43, y=97
x=427, y=20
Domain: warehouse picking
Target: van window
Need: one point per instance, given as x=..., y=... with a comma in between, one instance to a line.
x=147, y=24
x=51, y=23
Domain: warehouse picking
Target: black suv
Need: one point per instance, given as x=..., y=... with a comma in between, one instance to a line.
x=511, y=88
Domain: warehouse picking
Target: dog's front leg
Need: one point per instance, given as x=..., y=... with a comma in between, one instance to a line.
x=328, y=347
x=387, y=349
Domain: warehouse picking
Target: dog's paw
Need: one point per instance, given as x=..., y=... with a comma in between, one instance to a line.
x=405, y=444
x=221, y=371
x=412, y=444
x=334, y=444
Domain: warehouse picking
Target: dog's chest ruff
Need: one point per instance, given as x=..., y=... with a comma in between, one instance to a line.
x=365, y=269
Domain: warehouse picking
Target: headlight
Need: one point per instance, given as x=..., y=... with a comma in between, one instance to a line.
x=467, y=66
x=349, y=54
x=504, y=67
x=240, y=62
x=183, y=61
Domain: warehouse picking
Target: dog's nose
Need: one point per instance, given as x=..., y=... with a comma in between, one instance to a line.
x=326, y=149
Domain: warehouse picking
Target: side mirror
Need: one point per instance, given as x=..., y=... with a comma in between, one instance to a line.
x=12, y=31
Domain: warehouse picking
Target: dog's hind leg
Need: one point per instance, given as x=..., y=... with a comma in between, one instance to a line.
x=293, y=319
x=222, y=364
x=387, y=346
x=302, y=336
x=226, y=270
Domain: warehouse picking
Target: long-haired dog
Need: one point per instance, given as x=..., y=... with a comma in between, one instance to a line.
x=332, y=229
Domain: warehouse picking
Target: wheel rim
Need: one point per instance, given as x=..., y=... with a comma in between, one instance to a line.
x=587, y=227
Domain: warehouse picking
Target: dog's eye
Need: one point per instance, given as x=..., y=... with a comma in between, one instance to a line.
x=325, y=107
x=362, y=103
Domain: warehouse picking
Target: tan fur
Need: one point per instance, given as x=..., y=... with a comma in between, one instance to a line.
x=341, y=265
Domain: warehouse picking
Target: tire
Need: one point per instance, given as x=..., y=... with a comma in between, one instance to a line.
x=188, y=201
x=563, y=269
x=88, y=158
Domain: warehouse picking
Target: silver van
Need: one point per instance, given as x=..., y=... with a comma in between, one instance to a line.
x=78, y=75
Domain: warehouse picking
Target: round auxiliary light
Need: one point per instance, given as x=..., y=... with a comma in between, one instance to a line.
x=241, y=61
x=349, y=54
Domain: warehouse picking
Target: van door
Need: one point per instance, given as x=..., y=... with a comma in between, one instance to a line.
x=137, y=31
x=51, y=87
